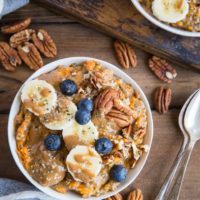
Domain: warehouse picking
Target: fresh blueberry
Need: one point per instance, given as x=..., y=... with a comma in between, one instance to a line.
x=118, y=173
x=52, y=142
x=103, y=146
x=68, y=87
x=85, y=104
x=82, y=117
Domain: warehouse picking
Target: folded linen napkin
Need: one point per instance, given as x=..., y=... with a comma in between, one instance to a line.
x=15, y=190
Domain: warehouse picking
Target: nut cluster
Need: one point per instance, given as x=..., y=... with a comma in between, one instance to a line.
x=134, y=195
x=25, y=45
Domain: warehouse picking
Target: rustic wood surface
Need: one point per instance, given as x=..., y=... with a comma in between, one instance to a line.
x=120, y=19
x=74, y=39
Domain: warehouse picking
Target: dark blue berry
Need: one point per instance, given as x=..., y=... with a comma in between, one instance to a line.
x=85, y=104
x=82, y=117
x=68, y=87
x=52, y=142
x=118, y=173
x=103, y=146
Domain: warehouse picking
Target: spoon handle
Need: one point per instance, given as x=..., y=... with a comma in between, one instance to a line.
x=171, y=187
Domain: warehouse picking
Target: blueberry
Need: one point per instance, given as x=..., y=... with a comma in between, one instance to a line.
x=82, y=117
x=52, y=142
x=103, y=146
x=68, y=87
x=118, y=173
x=85, y=104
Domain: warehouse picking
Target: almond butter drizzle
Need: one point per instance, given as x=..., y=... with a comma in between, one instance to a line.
x=45, y=92
x=33, y=106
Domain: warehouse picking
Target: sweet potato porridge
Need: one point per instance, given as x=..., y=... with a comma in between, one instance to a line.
x=184, y=14
x=80, y=128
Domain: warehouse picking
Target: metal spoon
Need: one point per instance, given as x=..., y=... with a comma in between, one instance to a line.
x=171, y=187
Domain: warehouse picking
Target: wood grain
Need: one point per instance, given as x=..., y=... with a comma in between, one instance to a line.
x=120, y=19
x=72, y=40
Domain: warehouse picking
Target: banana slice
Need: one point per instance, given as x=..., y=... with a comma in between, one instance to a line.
x=61, y=116
x=39, y=97
x=83, y=163
x=170, y=11
x=77, y=134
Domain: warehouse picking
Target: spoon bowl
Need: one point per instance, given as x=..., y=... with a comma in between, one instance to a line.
x=192, y=118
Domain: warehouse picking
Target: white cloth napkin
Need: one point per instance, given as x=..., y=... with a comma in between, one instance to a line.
x=15, y=190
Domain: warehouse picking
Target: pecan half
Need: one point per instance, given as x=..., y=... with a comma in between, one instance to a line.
x=125, y=54
x=44, y=43
x=126, y=132
x=21, y=37
x=105, y=100
x=117, y=196
x=16, y=27
x=122, y=108
x=162, y=99
x=135, y=195
x=96, y=81
x=9, y=57
x=120, y=118
x=30, y=55
x=163, y=70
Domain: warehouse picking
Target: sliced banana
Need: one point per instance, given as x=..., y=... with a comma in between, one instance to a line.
x=39, y=97
x=77, y=134
x=83, y=163
x=170, y=11
x=61, y=116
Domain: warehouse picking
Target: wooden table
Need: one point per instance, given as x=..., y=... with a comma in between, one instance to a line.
x=74, y=39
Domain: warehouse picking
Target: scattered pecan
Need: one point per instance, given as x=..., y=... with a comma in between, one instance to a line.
x=122, y=108
x=9, y=57
x=139, y=134
x=126, y=132
x=105, y=100
x=117, y=196
x=162, y=99
x=44, y=43
x=163, y=70
x=16, y=27
x=135, y=195
x=120, y=118
x=125, y=54
x=30, y=55
x=96, y=81
x=21, y=37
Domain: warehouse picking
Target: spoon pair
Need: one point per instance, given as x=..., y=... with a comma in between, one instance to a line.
x=189, y=119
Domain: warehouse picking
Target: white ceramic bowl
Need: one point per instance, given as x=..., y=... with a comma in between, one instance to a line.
x=71, y=195
x=162, y=25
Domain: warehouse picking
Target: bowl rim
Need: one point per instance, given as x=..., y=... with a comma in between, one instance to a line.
x=15, y=108
x=162, y=25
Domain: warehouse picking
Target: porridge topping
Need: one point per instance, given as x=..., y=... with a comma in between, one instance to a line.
x=73, y=135
x=84, y=163
x=39, y=97
x=77, y=134
x=170, y=11
x=61, y=115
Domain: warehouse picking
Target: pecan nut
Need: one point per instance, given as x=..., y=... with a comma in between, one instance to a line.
x=21, y=37
x=9, y=57
x=117, y=196
x=163, y=70
x=96, y=81
x=105, y=100
x=120, y=118
x=125, y=54
x=30, y=55
x=44, y=43
x=162, y=99
x=135, y=195
x=16, y=27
